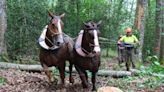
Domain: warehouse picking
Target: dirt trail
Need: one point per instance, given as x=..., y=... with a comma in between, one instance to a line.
x=21, y=81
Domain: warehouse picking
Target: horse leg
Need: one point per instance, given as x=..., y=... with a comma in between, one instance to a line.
x=86, y=75
x=123, y=55
x=133, y=65
x=82, y=77
x=127, y=61
x=62, y=71
x=119, y=57
x=71, y=80
x=127, y=65
x=48, y=73
x=93, y=81
x=132, y=59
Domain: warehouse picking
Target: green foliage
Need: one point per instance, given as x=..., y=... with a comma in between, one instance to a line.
x=55, y=72
x=140, y=82
x=4, y=57
x=149, y=40
x=26, y=19
x=155, y=70
x=154, y=67
x=2, y=80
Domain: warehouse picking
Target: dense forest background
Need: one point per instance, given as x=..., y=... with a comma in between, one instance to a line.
x=26, y=19
x=22, y=21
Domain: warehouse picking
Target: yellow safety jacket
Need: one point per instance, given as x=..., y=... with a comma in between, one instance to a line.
x=129, y=39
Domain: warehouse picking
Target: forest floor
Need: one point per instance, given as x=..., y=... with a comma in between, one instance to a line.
x=12, y=80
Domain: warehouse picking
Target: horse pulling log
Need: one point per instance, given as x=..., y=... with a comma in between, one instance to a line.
x=87, y=53
x=55, y=47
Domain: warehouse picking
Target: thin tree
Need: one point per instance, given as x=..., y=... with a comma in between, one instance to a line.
x=139, y=23
x=3, y=25
x=139, y=14
x=160, y=30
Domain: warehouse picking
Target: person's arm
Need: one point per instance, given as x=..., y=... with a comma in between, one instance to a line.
x=136, y=40
x=120, y=40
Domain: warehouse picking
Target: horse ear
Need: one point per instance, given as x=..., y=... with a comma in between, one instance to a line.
x=62, y=15
x=85, y=24
x=98, y=23
x=50, y=14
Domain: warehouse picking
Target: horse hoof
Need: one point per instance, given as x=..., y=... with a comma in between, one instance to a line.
x=85, y=86
x=94, y=89
x=86, y=90
x=71, y=80
x=61, y=85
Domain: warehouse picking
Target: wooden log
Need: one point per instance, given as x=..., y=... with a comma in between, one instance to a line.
x=38, y=68
x=114, y=73
x=32, y=68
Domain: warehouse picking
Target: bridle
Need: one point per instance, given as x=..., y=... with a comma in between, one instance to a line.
x=53, y=42
x=83, y=52
x=53, y=34
x=54, y=46
x=91, y=45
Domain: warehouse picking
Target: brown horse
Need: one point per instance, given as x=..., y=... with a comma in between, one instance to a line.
x=87, y=53
x=56, y=47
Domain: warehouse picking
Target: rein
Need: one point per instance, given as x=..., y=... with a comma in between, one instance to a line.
x=43, y=37
x=54, y=34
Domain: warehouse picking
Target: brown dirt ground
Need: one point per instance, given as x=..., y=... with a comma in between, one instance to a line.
x=22, y=81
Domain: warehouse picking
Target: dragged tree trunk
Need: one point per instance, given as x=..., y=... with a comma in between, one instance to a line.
x=38, y=68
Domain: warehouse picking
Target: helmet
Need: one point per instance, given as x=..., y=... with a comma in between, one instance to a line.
x=128, y=30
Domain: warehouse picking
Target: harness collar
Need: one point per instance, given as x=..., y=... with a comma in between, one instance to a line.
x=42, y=42
x=79, y=49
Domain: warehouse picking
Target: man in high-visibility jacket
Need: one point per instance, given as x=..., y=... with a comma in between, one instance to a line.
x=129, y=38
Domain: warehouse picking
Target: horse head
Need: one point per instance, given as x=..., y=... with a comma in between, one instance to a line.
x=54, y=33
x=91, y=34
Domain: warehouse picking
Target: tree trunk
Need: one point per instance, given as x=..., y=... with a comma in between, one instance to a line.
x=3, y=26
x=139, y=14
x=158, y=28
x=139, y=23
x=161, y=58
x=160, y=5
